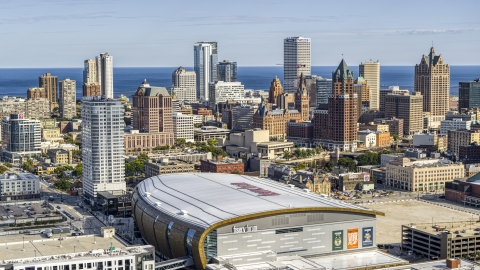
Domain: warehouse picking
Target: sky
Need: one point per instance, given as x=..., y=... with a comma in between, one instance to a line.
x=161, y=33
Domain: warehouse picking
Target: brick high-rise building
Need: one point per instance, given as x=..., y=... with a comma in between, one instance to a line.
x=302, y=99
x=152, y=109
x=335, y=125
x=36, y=93
x=49, y=83
x=432, y=80
x=275, y=90
x=91, y=90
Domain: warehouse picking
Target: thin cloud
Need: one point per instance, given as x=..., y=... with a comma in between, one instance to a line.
x=246, y=19
x=36, y=19
x=432, y=31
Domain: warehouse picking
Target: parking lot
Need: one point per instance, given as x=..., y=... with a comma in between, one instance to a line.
x=22, y=210
x=411, y=211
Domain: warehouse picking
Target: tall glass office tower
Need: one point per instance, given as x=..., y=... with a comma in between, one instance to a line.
x=205, y=66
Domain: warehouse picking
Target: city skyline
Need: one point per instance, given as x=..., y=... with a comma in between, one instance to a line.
x=356, y=34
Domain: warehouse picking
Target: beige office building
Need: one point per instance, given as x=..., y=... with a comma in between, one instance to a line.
x=370, y=71
x=49, y=83
x=35, y=108
x=407, y=107
x=457, y=138
x=68, y=98
x=422, y=175
x=432, y=79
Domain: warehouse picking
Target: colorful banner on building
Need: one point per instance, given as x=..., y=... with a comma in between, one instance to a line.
x=367, y=237
x=337, y=240
x=352, y=238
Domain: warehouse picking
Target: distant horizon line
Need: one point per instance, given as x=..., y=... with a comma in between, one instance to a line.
x=473, y=65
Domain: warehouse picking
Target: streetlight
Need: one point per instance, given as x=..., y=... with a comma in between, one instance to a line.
x=73, y=249
x=23, y=242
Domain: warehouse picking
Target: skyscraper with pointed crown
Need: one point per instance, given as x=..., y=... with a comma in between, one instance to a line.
x=432, y=80
x=335, y=124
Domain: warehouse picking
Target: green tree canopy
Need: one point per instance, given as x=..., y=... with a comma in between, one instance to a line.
x=348, y=163
x=28, y=165
x=78, y=171
x=63, y=184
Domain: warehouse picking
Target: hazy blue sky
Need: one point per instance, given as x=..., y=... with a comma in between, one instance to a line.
x=62, y=33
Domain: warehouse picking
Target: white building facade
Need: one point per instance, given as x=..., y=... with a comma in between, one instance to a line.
x=296, y=61
x=105, y=74
x=222, y=91
x=184, y=84
x=205, y=66
x=454, y=124
x=102, y=146
x=20, y=186
x=368, y=137
x=183, y=126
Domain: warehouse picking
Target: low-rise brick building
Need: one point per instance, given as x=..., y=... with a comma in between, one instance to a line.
x=222, y=166
x=166, y=166
x=60, y=156
x=383, y=139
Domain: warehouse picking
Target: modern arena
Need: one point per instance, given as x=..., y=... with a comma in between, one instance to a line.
x=234, y=219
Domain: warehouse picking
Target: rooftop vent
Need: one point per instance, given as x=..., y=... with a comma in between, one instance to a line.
x=290, y=185
x=306, y=190
x=183, y=212
x=158, y=204
x=147, y=194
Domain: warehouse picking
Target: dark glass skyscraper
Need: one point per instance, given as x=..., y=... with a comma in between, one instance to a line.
x=469, y=95
x=227, y=71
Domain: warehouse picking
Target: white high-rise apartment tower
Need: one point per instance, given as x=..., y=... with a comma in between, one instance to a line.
x=296, y=60
x=105, y=74
x=102, y=146
x=205, y=66
x=67, y=98
x=184, y=84
x=370, y=71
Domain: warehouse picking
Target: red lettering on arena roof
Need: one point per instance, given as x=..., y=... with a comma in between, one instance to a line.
x=259, y=191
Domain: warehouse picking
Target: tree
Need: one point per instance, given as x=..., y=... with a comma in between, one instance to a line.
x=77, y=154
x=329, y=166
x=236, y=172
x=62, y=184
x=286, y=155
x=347, y=163
x=8, y=164
x=161, y=147
x=300, y=166
x=28, y=165
x=370, y=158
x=60, y=169
x=78, y=171
x=318, y=149
x=395, y=137
x=212, y=142
x=3, y=169
x=180, y=142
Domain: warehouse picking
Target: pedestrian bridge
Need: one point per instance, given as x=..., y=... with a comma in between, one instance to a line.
x=177, y=263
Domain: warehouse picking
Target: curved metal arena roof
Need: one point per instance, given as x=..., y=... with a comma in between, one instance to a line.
x=205, y=199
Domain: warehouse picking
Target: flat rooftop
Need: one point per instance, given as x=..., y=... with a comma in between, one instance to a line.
x=464, y=228
x=209, y=198
x=440, y=264
x=345, y=260
x=19, y=246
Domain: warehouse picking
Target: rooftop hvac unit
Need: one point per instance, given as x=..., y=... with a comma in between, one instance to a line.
x=158, y=204
x=183, y=212
x=147, y=194
x=306, y=190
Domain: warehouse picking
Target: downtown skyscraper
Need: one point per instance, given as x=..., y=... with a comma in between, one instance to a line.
x=296, y=61
x=98, y=76
x=205, y=66
x=105, y=74
x=370, y=71
x=102, y=146
x=335, y=123
x=432, y=80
